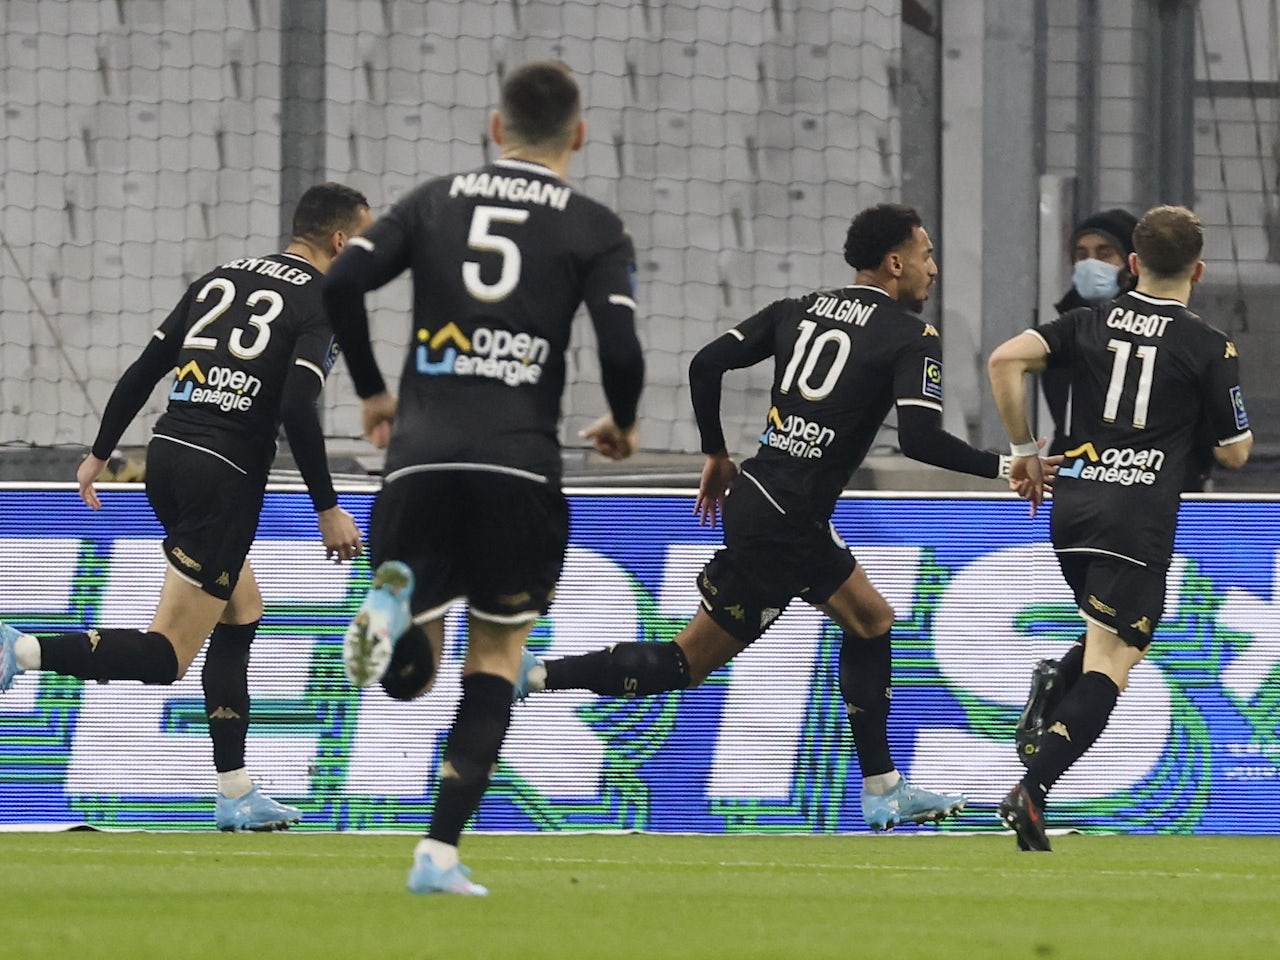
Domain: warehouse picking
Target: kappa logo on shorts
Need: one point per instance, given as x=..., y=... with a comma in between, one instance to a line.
x=1100, y=606
x=1142, y=625
x=735, y=610
x=932, y=382
x=178, y=554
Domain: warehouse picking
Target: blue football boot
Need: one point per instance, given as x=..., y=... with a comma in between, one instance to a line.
x=255, y=811
x=426, y=877
x=384, y=616
x=8, y=656
x=533, y=674
x=905, y=803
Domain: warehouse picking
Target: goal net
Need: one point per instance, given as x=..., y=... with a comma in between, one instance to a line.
x=141, y=146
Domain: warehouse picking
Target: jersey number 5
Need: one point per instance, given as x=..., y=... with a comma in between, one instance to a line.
x=481, y=239
x=1119, y=368
x=261, y=322
x=810, y=354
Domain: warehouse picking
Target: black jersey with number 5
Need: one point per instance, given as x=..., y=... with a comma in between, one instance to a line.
x=235, y=335
x=1144, y=373
x=501, y=259
x=842, y=359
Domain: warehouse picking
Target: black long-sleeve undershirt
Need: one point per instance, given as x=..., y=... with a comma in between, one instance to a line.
x=349, y=278
x=921, y=437
x=301, y=421
x=135, y=386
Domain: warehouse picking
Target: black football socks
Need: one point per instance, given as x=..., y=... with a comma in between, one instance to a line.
x=623, y=670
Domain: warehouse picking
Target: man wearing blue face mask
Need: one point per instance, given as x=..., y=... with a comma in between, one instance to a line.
x=1100, y=246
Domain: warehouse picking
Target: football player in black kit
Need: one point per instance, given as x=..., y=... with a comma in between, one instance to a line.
x=842, y=359
x=251, y=348
x=470, y=507
x=1145, y=371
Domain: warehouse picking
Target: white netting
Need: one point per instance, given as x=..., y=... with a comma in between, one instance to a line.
x=735, y=138
x=141, y=141
x=140, y=145
x=1237, y=140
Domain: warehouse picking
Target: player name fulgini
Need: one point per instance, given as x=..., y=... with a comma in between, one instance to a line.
x=845, y=311
x=281, y=271
x=514, y=189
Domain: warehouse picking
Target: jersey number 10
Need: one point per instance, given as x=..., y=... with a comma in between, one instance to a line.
x=808, y=389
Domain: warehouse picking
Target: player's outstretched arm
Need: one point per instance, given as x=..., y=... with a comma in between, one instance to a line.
x=340, y=534
x=87, y=473
x=717, y=473
x=377, y=414
x=613, y=441
x=126, y=400
x=1006, y=369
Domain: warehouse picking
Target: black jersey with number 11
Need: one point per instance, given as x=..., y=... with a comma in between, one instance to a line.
x=1144, y=373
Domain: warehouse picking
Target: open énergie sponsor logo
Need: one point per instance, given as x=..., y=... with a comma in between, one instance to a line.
x=796, y=436
x=222, y=387
x=1125, y=466
x=512, y=358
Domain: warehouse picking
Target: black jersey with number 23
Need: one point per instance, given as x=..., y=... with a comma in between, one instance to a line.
x=236, y=334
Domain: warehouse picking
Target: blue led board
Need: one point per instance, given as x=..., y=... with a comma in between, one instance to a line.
x=1194, y=745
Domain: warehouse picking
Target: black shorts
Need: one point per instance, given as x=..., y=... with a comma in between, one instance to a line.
x=209, y=510
x=1121, y=596
x=768, y=560
x=494, y=539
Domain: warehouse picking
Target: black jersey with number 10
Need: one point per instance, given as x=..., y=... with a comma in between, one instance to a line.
x=1144, y=373
x=501, y=258
x=842, y=359
x=242, y=327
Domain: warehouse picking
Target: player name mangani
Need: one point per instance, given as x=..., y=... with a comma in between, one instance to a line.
x=492, y=186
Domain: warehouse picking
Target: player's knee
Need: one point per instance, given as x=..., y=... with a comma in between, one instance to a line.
x=184, y=664
x=874, y=620
x=882, y=620
x=412, y=670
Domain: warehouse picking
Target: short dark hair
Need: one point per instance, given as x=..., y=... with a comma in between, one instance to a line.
x=326, y=208
x=540, y=102
x=877, y=231
x=1168, y=240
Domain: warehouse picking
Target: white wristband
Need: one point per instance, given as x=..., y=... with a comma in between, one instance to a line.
x=1028, y=449
x=1006, y=465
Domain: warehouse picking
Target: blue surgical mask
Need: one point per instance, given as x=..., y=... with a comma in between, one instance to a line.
x=1096, y=280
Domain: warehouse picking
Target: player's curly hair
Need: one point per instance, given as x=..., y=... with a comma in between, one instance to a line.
x=877, y=231
x=326, y=208
x=1168, y=240
x=540, y=103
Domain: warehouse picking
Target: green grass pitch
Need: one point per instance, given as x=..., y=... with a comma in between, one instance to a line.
x=231, y=896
